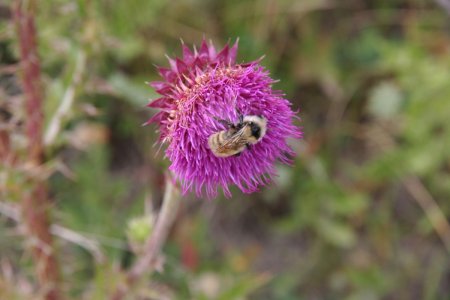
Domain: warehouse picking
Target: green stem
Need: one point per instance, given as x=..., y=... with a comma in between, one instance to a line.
x=146, y=263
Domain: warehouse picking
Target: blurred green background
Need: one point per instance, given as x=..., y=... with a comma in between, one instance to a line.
x=357, y=216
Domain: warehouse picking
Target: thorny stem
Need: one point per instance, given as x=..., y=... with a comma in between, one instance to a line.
x=4, y=145
x=35, y=202
x=152, y=248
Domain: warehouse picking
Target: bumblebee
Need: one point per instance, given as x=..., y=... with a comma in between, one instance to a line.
x=238, y=137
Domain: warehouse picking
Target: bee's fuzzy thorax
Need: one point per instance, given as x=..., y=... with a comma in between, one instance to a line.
x=260, y=121
x=206, y=85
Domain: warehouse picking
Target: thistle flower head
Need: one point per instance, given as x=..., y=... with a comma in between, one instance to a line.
x=204, y=87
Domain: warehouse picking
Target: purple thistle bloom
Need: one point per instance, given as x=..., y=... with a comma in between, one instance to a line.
x=204, y=87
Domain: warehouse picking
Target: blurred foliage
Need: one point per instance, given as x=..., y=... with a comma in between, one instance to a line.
x=371, y=79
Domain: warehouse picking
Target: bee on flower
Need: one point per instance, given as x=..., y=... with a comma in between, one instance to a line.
x=222, y=121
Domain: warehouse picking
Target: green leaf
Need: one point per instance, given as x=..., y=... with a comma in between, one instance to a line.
x=137, y=94
x=336, y=232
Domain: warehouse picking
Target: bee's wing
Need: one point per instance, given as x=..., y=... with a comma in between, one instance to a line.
x=235, y=141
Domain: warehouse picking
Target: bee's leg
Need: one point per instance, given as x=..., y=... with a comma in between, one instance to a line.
x=248, y=146
x=241, y=116
x=238, y=154
x=225, y=122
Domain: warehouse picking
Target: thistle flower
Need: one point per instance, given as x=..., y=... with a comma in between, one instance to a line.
x=204, y=87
